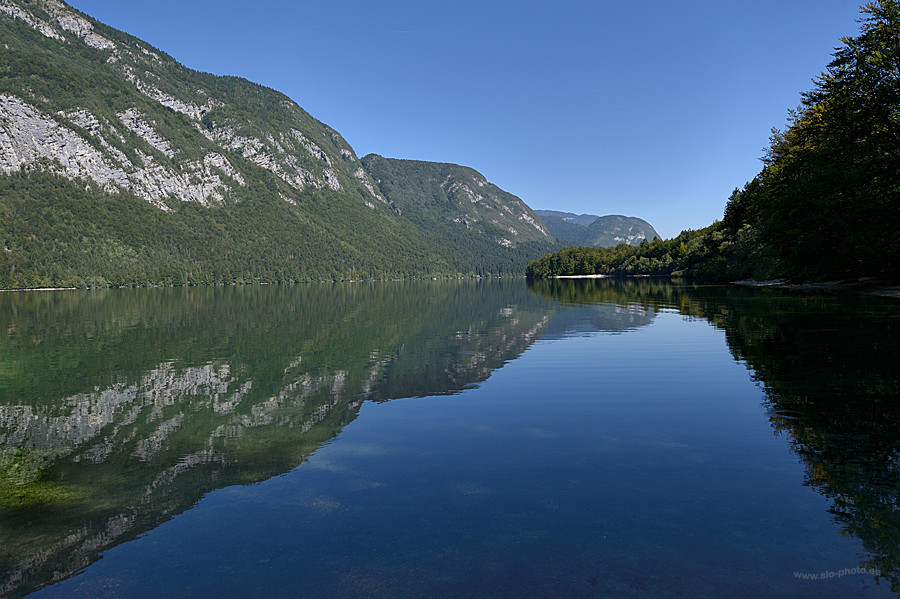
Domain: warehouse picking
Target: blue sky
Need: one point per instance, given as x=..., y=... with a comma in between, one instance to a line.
x=655, y=109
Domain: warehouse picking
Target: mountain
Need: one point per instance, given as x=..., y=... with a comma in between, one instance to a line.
x=597, y=231
x=578, y=219
x=120, y=166
x=456, y=204
x=429, y=192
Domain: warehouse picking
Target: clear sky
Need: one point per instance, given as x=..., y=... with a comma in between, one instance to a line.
x=656, y=109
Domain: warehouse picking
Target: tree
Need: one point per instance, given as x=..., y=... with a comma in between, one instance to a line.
x=829, y=206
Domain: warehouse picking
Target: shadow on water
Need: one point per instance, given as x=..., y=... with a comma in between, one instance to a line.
x=828, y=367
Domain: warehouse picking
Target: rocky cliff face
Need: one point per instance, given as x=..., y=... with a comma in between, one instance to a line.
x=80, y=142
x=32, y=139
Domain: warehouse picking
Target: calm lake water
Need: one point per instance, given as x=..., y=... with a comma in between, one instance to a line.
x=449, y=439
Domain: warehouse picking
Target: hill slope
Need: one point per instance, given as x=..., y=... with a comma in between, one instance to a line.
x=121, y=166
x=455, y=209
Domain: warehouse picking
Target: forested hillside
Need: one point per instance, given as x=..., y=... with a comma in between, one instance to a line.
x=455, y=208
x=712, y=254
x=120, y=166
x=826, y=205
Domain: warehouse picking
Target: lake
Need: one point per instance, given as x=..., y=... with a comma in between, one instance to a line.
x=495, y=438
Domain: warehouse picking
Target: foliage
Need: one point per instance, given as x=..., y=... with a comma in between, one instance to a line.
x=434, y=194
x=56, y=234
x=567, y=231
x=578, y=219
x=828, y=207
x=712, y=254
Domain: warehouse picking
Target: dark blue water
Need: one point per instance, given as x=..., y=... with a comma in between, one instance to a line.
x=639, y=460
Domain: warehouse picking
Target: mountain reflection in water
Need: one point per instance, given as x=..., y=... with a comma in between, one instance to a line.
x=121, y=409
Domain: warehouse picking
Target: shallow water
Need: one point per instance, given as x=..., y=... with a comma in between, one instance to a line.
x=448, y=439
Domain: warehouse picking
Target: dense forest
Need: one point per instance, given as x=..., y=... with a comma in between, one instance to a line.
x=57, y=234
x=824, y=206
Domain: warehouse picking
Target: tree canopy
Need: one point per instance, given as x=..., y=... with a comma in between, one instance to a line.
x=827, y=205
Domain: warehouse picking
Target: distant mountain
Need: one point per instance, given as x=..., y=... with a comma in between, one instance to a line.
x=579, y=219
x=597, y=231
x=120, y=166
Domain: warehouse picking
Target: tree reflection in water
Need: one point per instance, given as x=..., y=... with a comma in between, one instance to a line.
x=828, y=367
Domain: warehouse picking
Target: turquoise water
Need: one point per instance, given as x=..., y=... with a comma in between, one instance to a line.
x=581, y=439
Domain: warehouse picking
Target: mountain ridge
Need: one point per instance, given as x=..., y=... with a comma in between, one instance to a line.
x=578, y=219
x=597, y=231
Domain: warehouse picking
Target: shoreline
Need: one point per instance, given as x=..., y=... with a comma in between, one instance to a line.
x=473, y=278
x=861, y=287
x=872, y=287
x=606, y=276
x=44, y=289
